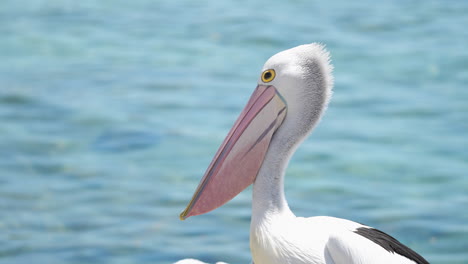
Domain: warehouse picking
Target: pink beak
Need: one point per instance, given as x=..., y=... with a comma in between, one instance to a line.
x=238, y=160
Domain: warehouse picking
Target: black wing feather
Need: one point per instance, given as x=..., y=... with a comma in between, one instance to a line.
x=390, y=244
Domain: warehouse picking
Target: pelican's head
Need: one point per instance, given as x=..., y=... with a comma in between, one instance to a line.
x=302, y=76
x=293, y=91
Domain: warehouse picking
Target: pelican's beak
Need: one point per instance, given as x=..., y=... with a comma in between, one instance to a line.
x=238, y=160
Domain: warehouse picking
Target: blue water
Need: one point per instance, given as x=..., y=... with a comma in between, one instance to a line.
x=110, y=112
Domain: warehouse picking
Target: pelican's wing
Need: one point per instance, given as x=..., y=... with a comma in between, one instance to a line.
x=367, y=245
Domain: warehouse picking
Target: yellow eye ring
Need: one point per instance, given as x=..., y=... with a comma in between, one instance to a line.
x=268, y=75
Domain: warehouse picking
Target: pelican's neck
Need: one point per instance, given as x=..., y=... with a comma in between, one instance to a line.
x=268, y=189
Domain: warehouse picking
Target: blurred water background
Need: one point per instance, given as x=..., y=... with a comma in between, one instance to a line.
x=110, y=112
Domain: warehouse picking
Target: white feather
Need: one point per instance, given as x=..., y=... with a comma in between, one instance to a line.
x=194, y=261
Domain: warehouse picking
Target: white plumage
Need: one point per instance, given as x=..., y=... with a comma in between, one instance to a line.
x=194, y=261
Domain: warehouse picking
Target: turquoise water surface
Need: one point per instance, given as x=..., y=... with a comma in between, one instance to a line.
x=111, y=111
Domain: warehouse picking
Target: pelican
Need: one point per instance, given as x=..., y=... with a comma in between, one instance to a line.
x=292, y=93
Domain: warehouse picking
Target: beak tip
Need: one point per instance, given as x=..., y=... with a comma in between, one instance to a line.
x=183, y=215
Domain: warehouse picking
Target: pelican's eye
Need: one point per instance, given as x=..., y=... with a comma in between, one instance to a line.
x=268, y=75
